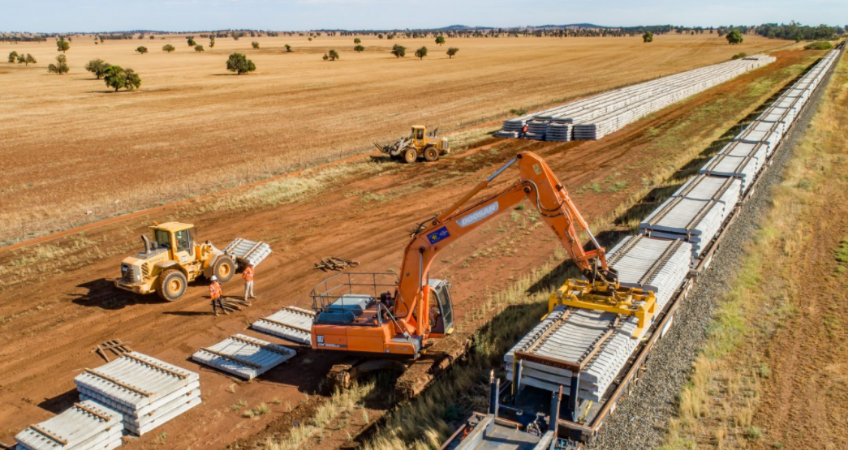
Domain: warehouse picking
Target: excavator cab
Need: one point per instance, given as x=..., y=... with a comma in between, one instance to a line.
x=441, y=309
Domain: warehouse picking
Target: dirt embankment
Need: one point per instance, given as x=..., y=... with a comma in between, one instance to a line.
x=52, y=317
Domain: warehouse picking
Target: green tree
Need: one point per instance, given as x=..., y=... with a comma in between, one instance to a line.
x=198, y=48
x=168, y=48
x=357, y=41
x=359, y=49
x=451, y=52
x=333, y=55
x=380, y=36
x=141, y=49
x=240, y=64
x=27, y=60
x=152, y=37
x=734, y=37
x=421, y=53
x=190, y=42
x=648, y=37
x=254, y=44
x=13, y=56
x=61, y=66
x=63, y=45
x=399, y=51
x=440, y=40
x=325, y=57
x=212, y=41
x=288, y=48
x=97, y=67
x=117, y=77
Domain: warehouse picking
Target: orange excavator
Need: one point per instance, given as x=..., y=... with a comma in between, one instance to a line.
x=390, y=314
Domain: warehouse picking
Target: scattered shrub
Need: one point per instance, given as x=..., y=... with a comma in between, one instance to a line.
x=168, y=48
x=63, y=45
x=648, y=37
x=440, y=40
x=117, y=77
x=61, y=66
x=821, y=45
x=421, y=53
x=734, y=37
x=739, y=55
x=359, y=49
x=198, y=48
x=240, y=64
x=451, y=52
x=398, y=50
x=97, y=67
x=254, y=44
x=141, y=49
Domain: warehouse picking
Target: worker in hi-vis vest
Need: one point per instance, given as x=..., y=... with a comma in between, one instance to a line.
x=248, y=281
x=215, y=293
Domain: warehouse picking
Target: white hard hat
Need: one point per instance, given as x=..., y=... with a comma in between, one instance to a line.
x=214, y=278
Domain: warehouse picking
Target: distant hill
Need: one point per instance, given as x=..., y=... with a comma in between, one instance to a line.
x=573, y=25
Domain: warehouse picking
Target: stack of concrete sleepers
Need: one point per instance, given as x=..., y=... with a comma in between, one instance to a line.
x=512, y=127
x=601, y=342
x=559, y=132
x=146, y=391
x=537, y=129
x=86, y=425
x=244, y=356
x=694, y=221
x=745, y=168
x=596, y=116
x=290, y=323
x=775, y=114
x=769, y=133
x=725, y=190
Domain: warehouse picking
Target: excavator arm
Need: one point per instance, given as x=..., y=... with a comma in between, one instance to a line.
x=540, y=186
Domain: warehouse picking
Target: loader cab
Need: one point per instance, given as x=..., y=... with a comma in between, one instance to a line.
x=418, y=132
x=442, y=321
x=178, y=238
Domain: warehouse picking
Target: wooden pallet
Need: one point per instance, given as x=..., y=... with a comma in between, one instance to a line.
x=116, y=346
x=334, y=263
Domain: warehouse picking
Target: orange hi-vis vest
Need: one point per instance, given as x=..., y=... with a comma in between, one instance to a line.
x=248, y=274
x=215, y=290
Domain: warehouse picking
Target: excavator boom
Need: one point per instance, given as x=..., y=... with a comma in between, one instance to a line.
x=540, y=186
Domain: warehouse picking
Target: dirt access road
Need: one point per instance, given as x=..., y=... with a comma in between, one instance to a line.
x=364, y=210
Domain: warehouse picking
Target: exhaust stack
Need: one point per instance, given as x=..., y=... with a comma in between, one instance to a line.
x=146, y=244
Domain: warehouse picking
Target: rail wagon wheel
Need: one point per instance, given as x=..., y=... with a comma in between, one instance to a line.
x=224, y=268
x=431, y=154
x=410, y=155
x=172, y=285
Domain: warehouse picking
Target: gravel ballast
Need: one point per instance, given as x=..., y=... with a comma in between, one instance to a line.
x=641, y=420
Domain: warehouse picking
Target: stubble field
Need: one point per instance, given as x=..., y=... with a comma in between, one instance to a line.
x=73, y=152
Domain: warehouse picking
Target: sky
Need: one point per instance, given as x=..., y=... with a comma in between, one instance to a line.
x=198, y=15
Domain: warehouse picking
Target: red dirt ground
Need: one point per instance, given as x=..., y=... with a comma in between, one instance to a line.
x=49, y=325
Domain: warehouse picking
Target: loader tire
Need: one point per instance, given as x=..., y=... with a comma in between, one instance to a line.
x=410, y=155
x=224, y=268
x=431, y=154
x=171, y=285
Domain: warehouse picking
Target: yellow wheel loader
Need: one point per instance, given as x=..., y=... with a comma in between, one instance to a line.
x=418, y=145
x=175, y=258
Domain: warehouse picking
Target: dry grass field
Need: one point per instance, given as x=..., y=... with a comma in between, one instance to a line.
x=74, y=152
